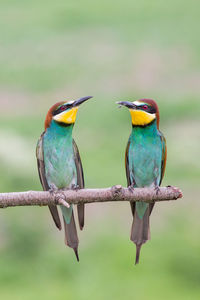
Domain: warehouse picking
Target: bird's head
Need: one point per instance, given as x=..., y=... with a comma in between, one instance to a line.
x=143, y=111
x=64, y=113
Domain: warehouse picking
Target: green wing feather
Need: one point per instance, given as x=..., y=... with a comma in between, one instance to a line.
x=128, y=175
x=127, y=164
x=43, y=180
x=80, y=183
x=164, y=156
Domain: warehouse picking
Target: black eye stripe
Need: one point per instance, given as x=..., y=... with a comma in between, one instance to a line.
x=61, y=109
x=147, y=108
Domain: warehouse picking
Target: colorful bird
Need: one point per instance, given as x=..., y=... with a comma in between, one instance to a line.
x=59, y=164
x=145, y=161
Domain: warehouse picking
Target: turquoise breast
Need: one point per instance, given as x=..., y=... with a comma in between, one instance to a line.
x=59, y=156
x=145, y=156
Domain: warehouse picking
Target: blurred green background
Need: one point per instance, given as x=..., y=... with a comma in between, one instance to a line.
x=113, y=50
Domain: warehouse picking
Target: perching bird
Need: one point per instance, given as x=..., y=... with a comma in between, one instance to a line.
x=59, y=164
x=145, y=161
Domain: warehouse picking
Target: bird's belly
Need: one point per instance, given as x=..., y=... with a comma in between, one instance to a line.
x=145, y=166
x=145, y=173
x=60, y=169
x=62, y=176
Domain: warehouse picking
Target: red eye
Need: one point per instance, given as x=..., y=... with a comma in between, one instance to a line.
x=63, y=107
x=145, y=107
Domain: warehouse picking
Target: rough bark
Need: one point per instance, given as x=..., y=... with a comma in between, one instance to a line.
x=115, y=193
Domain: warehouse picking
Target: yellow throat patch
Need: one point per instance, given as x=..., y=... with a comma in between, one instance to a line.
x=141, y=118
x=67, y=117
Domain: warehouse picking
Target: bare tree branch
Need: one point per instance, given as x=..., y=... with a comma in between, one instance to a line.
x=115, y=193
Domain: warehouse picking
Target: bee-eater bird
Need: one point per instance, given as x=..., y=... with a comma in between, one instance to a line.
x=145, y=161
x=59, y=164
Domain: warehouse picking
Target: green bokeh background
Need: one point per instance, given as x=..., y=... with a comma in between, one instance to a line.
x=113, y=50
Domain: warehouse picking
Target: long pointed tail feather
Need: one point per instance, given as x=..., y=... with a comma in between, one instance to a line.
x=71, y=237
x=76, y=253
x=138, y=248
x=140, y=232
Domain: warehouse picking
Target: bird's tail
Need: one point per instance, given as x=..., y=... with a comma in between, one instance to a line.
x=140, y=231
x=81, y=212
x=71, y=236
x=54, y=212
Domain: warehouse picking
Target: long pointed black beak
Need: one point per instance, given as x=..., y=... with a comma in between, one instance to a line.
x=81, y=100
x=127, y=104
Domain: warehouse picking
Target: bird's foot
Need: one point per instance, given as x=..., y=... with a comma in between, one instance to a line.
x=52, y=189
x=131, y=188
x=75, y=187
x=59, y=196
x=157, y=189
